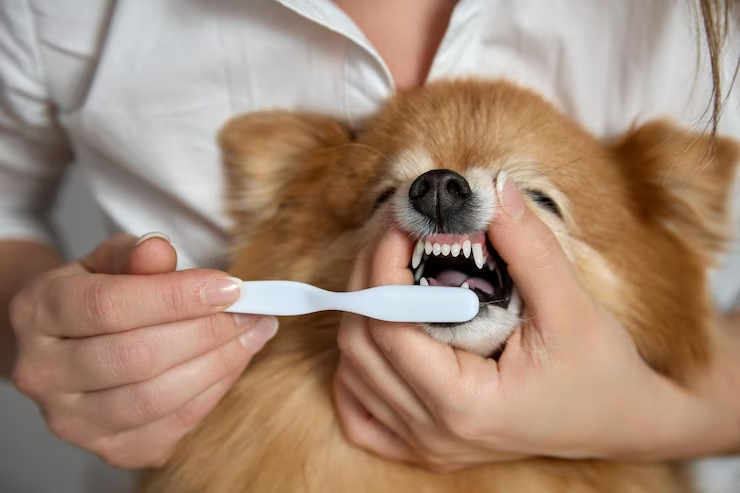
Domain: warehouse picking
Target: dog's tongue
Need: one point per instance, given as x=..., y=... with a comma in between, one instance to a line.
x=454, y=278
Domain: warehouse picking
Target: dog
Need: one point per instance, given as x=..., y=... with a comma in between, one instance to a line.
x=641, y=218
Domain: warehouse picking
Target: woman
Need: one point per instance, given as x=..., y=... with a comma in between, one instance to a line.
x=134, y=92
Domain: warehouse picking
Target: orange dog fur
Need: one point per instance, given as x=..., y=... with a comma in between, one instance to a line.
x=643, y=219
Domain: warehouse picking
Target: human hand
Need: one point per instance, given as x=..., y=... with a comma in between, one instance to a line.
x=124, y=355
x=565, y=378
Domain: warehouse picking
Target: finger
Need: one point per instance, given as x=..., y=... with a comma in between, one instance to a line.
x=365, y=432
x=453, y=379
x=359, y=277
x=371, y=401
x=138, y=404
x=153, y=444
x=153, y=253
x=361, y=352
x=390, y=262
x=109, y=257
x=98, y=363
x=100, y=303
x=536, y=262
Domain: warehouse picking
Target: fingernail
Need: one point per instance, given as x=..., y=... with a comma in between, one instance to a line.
x=150, y=236
x=509, y=196
x=241, y=319
x=256, y=337
x=222, y=291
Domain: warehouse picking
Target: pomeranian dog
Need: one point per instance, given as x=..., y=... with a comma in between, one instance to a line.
x=641, y=219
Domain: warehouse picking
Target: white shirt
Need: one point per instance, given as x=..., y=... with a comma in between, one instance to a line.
x=133, y=92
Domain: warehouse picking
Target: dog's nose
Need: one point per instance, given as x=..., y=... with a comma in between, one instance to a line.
x=440, y=194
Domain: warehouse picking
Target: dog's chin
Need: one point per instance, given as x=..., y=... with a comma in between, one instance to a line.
x=471, y=262
x=486, y=334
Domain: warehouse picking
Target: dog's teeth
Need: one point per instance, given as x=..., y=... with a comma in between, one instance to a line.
x=437, y=249
x=427, y=248
x=455, y=250
x=478, y=255
x=423, y=282
x=490, y=265
x=418, y=272
x=466, y=248
x=446, y=250
x=418, y=252
x=465, y=285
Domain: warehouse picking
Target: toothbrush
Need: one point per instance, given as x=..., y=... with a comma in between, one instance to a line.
x=430, y=304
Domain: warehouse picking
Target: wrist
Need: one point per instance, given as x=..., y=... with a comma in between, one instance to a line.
x=701, y=418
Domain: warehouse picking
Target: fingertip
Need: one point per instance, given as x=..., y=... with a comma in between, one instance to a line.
x=390, y=262
x=509, y=197
x=152, y=253
x=151, y=236
x=256, y=337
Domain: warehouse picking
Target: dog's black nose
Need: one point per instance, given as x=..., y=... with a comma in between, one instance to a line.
x=440, y=194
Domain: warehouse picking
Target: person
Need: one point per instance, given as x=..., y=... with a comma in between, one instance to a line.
x=127, y=349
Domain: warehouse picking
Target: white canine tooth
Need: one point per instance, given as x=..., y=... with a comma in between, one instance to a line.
x=490, y=265
x=427, y=248
x=418, y=252
x=465, y=285
x=436, y=249
x=446, y=249
x=455, y=250
x=423, y=282
x=418, y=272
x=478, y=255
x=466, y=248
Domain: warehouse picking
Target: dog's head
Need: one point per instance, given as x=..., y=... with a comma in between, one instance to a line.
x=641, y=219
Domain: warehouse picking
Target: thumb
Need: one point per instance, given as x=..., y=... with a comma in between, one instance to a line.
x=126, y=254
x=541, y=272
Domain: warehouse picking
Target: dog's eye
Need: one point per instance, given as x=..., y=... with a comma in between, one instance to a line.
x=384, y=197
x=544, y=201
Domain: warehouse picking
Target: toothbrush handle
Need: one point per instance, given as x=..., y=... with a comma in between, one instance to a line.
x=432, y=304
x=395, y=303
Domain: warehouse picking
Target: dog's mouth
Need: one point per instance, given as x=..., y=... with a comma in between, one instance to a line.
x=467, y=261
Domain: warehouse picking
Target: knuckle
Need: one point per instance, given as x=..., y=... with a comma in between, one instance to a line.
x=171, y=300
x=134, y=358
x=99, y=302
x=161, y=459
x=147, y=403
x=215, y=328
x=546, y=251
x=459, y=425
x=30, y=379
x=110, y=452
x=356, y=434
x=22, y=311
x=431, y=446
x=188, y=416
x=348, y=336
x=62, y=426
x=229, y=358
x=118, y=452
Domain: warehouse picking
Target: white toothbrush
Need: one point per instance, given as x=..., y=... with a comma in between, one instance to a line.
x=430, y=304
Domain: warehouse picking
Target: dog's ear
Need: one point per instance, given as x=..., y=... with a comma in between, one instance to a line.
x=681, y=180
x=296, y=186
x=264, y=152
